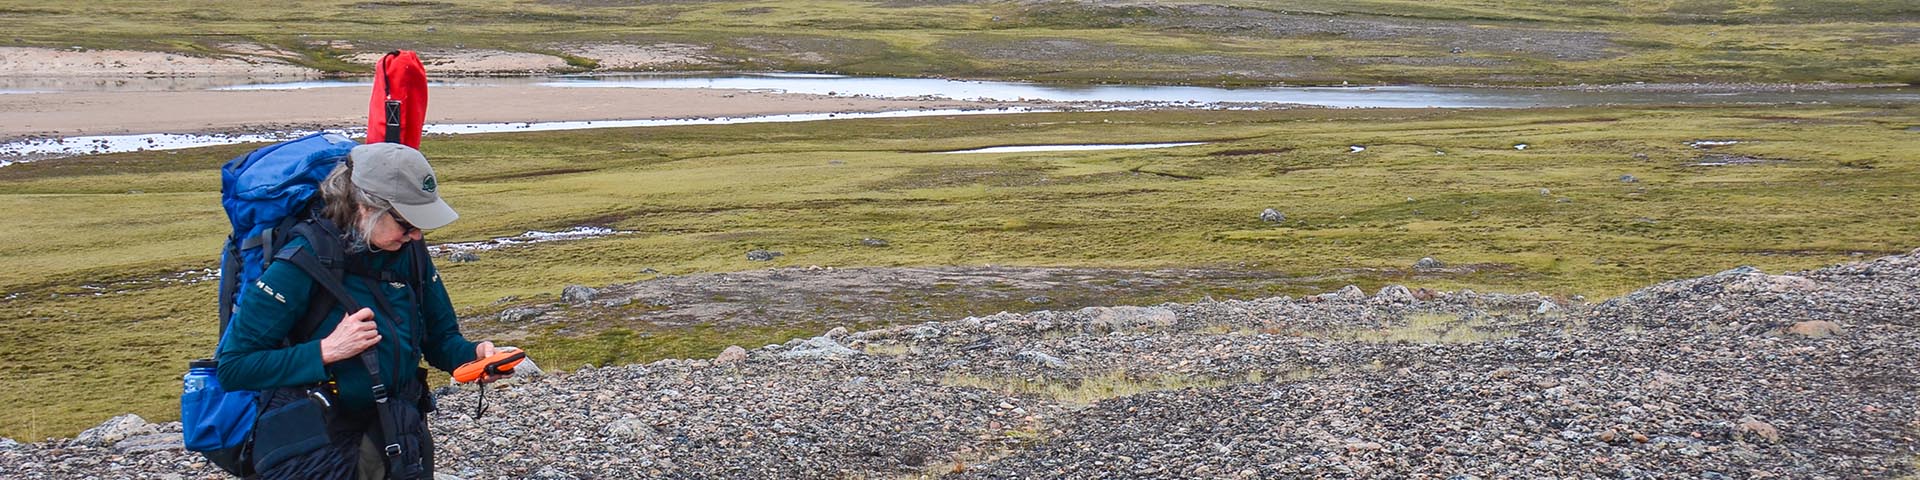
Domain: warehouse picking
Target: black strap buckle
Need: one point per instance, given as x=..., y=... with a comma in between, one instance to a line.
x=380, y=392
x=393, y=450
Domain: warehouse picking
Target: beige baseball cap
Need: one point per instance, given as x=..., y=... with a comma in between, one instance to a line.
x=400, y=175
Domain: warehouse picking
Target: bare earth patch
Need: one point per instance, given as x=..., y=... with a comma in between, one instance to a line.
x=470, y=62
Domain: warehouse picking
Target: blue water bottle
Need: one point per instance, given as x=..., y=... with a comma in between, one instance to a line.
x=200, y=373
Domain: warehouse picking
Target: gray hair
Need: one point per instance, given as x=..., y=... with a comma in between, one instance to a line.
x=343, y=207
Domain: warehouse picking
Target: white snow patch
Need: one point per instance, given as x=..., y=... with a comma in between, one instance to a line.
x=1067, y=148
x=531, y=237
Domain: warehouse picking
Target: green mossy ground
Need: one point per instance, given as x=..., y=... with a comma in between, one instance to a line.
x=1831, y=184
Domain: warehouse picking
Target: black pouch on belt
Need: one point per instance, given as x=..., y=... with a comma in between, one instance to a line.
x=292, y=430
x=411, y=459
x=427, y=404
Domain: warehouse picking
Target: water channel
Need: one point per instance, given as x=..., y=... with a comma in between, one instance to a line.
x=1111, y=96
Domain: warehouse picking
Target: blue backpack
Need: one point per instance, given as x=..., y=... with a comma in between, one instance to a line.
x=268, y=194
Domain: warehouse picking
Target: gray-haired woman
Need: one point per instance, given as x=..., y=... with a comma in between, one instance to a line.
x=381, y=199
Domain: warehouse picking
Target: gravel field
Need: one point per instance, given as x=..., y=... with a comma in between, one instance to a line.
x=1737, y=375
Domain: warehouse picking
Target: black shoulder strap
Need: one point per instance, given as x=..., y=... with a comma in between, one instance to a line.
x=229, y=284
x=324, y=239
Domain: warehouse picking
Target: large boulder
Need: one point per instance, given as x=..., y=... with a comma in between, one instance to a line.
x=1816, y=329
x=631, y=429
x=1040, y=358
x=526, y=368
x=1394, y=294
x=114, y=430
x=152, y=442
x=1763, y=283
x=1115, y=319
x=521, y=314
x=578, y=294
x=819, y=347
x=732, y=355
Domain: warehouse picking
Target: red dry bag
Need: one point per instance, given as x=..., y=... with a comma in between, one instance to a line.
x=399, y=107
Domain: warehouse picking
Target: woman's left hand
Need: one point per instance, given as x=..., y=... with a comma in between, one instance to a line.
x=483, y=350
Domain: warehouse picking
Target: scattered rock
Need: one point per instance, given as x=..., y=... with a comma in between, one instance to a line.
x=1545, y=307
x=8, y=444
x=873, y=242
x=732, y=355
x=1039, y=300
x=1816, y=329
x=463, y=257
x=1357, y=447
x=1544, y=192
x=1635, y=387
x=1272, y=216
x=763, y=255
x=578, y=294
x=1349, y=292
x=1428, y=263
x=1629, y=179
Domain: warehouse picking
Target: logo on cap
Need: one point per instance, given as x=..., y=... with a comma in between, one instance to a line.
x=428, y=185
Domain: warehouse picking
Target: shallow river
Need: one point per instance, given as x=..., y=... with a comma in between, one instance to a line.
x=1121, y=95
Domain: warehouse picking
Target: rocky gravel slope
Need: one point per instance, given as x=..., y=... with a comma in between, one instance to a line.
x=1737, y=375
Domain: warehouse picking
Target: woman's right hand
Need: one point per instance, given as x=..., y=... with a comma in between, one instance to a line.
x=356, y=333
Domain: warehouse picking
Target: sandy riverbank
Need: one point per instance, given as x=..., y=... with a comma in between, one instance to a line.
x=80, y=113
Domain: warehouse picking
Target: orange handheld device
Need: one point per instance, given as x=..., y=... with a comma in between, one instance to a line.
x=499, y=364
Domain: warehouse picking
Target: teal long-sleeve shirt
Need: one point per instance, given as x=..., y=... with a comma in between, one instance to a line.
x=251, y=357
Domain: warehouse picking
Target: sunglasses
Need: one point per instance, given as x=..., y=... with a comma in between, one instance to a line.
x=404, y=226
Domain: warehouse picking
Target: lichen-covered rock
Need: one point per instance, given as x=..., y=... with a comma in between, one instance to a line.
x=521, y=314
x=819, y=347
x=114, y=430
x=578, y=294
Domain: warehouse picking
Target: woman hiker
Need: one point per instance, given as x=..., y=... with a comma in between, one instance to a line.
x=379, y=200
